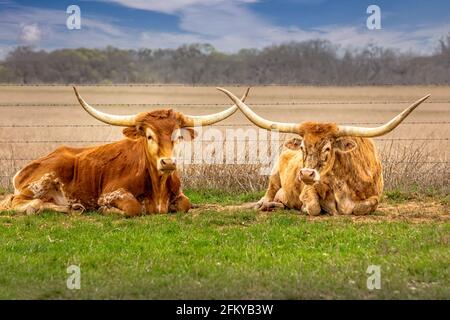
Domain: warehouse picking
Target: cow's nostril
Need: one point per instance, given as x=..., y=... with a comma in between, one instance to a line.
x=167, y=163
x=307, y=173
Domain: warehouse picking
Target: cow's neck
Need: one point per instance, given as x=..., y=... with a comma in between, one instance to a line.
x=160, y=193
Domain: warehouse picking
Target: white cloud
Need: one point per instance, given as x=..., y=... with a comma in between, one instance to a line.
x=171, y=6
x=30, y=34
x=421, y=40
x=229, y=26
x=47, y=29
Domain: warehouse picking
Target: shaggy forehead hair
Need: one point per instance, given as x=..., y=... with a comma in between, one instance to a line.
x=164, y=120
x=316, y=131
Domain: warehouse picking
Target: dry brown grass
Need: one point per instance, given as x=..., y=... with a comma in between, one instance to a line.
x=412, y=170
x=424, y=210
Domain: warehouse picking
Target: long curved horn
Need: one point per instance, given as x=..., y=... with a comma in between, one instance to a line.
x=259, y=121
x=124, y=121
x=381, y=130
x=191, y=121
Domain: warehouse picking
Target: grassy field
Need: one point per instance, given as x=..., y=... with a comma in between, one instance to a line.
x=228, y=251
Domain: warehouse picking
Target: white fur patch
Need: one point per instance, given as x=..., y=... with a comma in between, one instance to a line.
x=43, y=185
x=316, y=175
x=107, y=199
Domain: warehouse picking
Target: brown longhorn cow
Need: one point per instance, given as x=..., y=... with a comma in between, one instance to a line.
x=331, y=168
x=134, y=176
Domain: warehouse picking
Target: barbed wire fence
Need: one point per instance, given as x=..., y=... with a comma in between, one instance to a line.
x=159, y=85
x=215, y=104
x=404, y=165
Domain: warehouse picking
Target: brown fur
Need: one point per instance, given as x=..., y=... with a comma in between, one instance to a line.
x=119, y=177
x=351, y=179
x=284, y=186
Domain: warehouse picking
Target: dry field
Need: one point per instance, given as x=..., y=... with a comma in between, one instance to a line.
x=36, y=119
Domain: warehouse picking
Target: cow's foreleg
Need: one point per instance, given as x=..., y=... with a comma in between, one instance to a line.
x=267, y=201
x=120, y=202
x=63, y=208
x=310, y=201
x=329, y=204
x=347, y=205
x=279, y=202
x=42, y=194
x=366, y=206
x=23, y=204
x=180, y=203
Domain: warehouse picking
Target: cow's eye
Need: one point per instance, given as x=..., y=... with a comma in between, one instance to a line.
x=149, y=138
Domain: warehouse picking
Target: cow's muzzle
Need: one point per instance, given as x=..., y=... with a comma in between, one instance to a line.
x=167, y=164
x=309, y=176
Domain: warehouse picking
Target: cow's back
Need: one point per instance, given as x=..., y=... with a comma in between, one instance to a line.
x=60, y=162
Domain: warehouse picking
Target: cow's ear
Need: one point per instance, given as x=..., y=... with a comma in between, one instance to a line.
x=344, y=144
x=133, y=132
x=293, y=144
x=183, y=134
x=190, y=134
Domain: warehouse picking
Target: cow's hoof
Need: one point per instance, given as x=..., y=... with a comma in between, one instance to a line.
x=312, y=210
x=258, y=204
x=261, y=203
x=34, y=208
x=271, y=205
x=77, y=208
x=103, y=209
x=30, y=210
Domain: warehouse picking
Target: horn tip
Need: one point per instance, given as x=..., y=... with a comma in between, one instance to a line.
x=425, y=97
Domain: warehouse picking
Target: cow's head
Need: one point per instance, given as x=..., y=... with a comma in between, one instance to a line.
x=322, y=141
x=161, y=130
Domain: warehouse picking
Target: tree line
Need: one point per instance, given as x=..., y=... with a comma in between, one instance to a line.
x=314, y=62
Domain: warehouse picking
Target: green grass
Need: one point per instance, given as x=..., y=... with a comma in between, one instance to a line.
x=226, y=254
x=221, y=197
x=397, y=195
x=3, y=191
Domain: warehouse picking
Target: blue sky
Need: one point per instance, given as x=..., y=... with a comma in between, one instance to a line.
x=229, y=25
